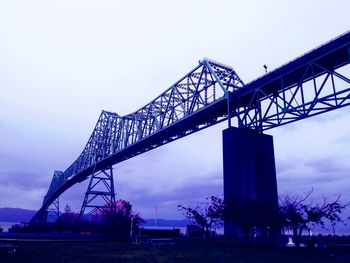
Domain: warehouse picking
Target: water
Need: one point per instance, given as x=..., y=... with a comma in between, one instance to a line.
x=219, y=231
x=6, y=225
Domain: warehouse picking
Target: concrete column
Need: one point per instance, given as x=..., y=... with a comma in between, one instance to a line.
x=250, y=187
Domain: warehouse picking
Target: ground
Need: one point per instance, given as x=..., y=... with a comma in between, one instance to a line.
x=90, y=251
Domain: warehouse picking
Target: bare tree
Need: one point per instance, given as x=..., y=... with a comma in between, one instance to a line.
x=207, y=215
x=299, y=215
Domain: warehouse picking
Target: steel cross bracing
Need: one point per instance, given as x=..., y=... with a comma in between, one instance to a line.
x=307, y=86
x=100, y=192
x=309, y=97
x=314, y=83
x=53, y=211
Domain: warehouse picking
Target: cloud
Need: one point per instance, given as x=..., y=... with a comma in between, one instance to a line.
x=328, y=177
x=57, y=76
x=158, y=177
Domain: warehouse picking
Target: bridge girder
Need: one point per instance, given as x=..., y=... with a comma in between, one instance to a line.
x=312, y=84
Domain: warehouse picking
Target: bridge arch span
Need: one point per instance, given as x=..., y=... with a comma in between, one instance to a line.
x=311, y=84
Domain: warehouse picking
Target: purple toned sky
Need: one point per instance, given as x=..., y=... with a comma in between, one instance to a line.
x=62, y=62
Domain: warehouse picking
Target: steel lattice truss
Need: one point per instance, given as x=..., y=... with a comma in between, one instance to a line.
x=314, y=83
x=95, y=194
x=313, y=94
x=200, y=88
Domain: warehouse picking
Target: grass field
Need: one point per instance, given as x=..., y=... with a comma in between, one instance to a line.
x=183, y=251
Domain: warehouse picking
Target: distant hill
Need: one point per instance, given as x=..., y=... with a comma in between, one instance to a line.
x=8, y=214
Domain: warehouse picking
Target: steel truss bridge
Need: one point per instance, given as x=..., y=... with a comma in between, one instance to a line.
x=312, y=84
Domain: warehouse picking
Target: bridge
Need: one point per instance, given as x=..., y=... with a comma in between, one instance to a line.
x=312, y=84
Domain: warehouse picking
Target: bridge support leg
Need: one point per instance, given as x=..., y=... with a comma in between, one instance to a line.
x=250, y=187
x=100, y=192
x=53, y=212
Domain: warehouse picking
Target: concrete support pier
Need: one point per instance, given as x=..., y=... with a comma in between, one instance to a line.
x=250, y=187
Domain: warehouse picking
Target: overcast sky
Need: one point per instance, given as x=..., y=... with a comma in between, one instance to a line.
x=62, y=62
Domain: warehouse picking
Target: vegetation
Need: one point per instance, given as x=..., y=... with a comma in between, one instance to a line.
x=69, y=216
x=294, y=213
x=247, y=213
x=298, y=215
x=115, y=219
x=206, y=215
x=118, y=218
